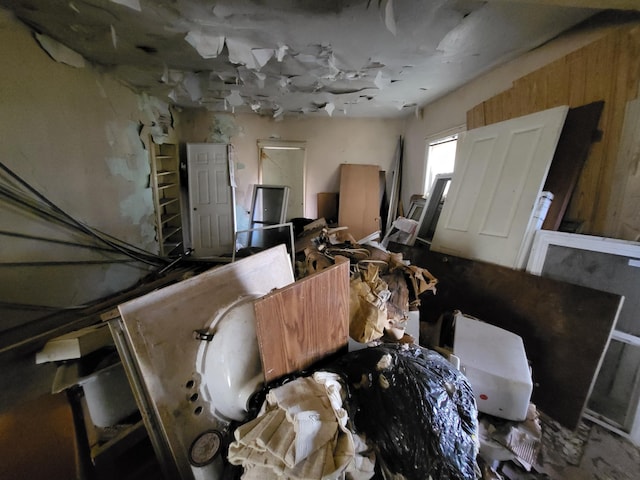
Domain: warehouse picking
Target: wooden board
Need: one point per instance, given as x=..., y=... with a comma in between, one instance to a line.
x=328, y=206
x=359, y=207
x=572, y=151
x=565, y=327
x=303, y=322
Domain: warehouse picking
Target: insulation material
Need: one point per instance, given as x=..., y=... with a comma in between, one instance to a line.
x=300, y=433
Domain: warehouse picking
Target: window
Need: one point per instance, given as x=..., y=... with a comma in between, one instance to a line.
x=440, y=157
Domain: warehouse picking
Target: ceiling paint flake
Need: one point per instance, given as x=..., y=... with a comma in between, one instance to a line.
x=234, y=98
x=132, y=4
x=241, y=53
x=329, y=108
x=59, y=52
x=389, y=17
x=329, y=50
x=262, y=56
x=222, y=11
x=281, y=52
x=381, y=82
x=165, y=73
x=207, y=46
x=114, y=37
x=261, y=77
x=191, y=84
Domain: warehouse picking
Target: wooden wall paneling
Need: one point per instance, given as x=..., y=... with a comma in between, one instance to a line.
x=623, y=218
x=557, y=74
x=565, y=328
x=538, y=99
x=611, y=138
x=595, y=188
x=522, y=91
x=304, y=322
x=633, y=53
x=576, y=77
x=626, y=75
x=475, y=117
x=510, y=108
x=493, y=109
x=598, y=65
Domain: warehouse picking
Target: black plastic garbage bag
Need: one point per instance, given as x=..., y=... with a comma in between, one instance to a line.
x=415, y=409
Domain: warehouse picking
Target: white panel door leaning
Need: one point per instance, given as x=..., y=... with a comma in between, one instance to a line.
x=499, y=173
x=211, y=199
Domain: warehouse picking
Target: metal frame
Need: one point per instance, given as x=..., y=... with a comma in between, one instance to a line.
x=542, y=240
x=434, y=198
x=285, y=145
x=249, y=231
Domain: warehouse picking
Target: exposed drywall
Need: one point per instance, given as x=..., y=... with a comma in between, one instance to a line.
x=451, y=110
x=73, y=134
x=329, y=142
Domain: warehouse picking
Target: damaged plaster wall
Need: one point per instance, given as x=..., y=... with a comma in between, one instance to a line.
x=73, y=134
x=450, y=111
x=329, y=143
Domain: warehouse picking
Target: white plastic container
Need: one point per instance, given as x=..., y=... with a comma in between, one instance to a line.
x=495, y=363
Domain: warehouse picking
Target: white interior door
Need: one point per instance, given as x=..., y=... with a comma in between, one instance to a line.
x=211, y=199
x=499, y=173
x=284, y=164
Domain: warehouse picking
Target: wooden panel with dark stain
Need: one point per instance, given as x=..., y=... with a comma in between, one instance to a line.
x=571, y=153
x=565, y=327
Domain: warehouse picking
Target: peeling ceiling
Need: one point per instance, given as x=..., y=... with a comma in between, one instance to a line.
x=280, y=57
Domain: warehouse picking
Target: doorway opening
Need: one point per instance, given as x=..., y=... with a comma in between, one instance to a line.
x=283, y=163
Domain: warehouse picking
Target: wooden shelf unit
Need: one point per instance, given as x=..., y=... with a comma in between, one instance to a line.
x=165, y=181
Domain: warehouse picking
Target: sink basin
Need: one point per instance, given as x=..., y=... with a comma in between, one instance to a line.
x=229, y=363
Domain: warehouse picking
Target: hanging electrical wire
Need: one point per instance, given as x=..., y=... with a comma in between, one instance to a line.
x=60, y=215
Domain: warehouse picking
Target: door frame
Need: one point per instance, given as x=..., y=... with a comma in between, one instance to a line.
x=286, y=145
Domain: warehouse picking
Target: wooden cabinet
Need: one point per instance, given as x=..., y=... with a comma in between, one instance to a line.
x=165, y=181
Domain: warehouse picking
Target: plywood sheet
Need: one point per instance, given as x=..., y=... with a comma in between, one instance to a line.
x=359, y=199
x=303, y=322
x=565, y=327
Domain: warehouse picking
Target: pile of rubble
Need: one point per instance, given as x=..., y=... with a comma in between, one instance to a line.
x=384, y=286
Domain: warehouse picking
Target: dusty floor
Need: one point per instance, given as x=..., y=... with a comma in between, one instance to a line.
x=591, y=452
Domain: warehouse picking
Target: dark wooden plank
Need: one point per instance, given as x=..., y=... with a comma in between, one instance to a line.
x=565, y=327
x=304, y=322
x=328, y=206
x=571, y=153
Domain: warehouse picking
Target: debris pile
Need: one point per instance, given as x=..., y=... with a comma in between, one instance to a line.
x=383, y=287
